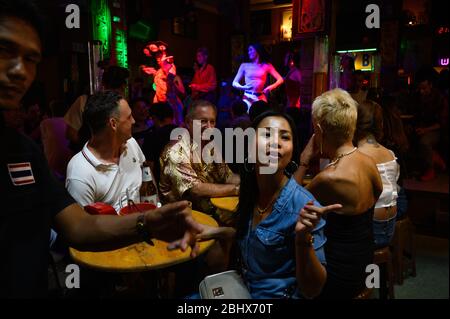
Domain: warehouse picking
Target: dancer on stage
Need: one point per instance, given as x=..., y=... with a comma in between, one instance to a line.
x=255, y=75
x=169, y=86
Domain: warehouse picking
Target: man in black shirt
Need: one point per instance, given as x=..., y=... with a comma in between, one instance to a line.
x=430, y=118
x=31, y=198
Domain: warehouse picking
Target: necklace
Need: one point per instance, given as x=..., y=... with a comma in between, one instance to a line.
x=262, y=211
x=341, y=156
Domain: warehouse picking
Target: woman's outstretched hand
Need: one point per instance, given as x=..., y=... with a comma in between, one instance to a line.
x=310, y=216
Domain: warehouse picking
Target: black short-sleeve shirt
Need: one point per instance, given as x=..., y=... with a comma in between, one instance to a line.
x=30, y=199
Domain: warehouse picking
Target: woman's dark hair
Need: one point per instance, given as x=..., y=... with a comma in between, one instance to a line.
x=426, y=73
x=394, y=136
x=161, y=111
x=99, y=108
x=249, y=187
x=258, y=108
x=137, y=100
x=262, y=53
x=239, y=108
x=370, y=121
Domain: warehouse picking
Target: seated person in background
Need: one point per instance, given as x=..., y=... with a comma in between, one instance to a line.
x=32, y=120
x=369, y=130
x=228, y=95
x=430, y=120
x=184, y=173
x=141, y=127
x=240, y=117
x=114, y=79
x=162, y=117
x=110, y=163
x=358, y=92
x=351, y=179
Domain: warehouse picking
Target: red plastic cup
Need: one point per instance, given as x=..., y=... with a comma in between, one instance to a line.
x=139, y=207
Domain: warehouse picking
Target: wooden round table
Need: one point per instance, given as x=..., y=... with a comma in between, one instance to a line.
x=141, y=256
x=229, y=204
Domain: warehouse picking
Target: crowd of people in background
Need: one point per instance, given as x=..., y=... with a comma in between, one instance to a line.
x=292, y=241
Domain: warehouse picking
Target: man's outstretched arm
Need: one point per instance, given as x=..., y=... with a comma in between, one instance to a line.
x=104, y=232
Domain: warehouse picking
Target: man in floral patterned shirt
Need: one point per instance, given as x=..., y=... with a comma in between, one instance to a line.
x=184, y=173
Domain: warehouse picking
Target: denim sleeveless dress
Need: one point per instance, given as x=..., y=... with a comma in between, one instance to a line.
x=268, y=250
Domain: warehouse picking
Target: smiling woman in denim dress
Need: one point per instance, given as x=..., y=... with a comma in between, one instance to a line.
x=281, y=250
x=280, y=243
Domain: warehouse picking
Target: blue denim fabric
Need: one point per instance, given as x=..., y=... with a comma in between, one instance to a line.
x=53, y=236
x=402, y=203
x=383, y=231
x=268, y=251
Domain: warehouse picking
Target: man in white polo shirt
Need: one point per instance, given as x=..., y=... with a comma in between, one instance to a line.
x=110, y=163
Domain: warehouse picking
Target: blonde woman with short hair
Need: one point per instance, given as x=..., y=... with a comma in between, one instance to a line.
x=350, y=179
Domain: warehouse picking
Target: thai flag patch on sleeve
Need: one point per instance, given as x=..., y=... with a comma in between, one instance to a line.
x=21, y=174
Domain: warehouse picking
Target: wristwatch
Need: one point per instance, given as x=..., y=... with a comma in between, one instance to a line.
x=142, y=230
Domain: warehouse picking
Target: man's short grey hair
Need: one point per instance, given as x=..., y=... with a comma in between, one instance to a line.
x=199, y=103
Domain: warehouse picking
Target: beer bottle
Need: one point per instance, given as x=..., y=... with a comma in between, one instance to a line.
x=148, y=191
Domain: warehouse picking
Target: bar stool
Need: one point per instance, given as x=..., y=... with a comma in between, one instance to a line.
x=403, y=249
x=383, y=258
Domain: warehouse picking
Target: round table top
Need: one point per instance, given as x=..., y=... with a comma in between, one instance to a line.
x=306, y=181
x=226, y=203
x=141, y=256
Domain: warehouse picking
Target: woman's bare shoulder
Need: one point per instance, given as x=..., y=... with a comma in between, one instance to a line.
x=367, y=163
x=330, y=179
x=331, y=187
x=378, y=154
